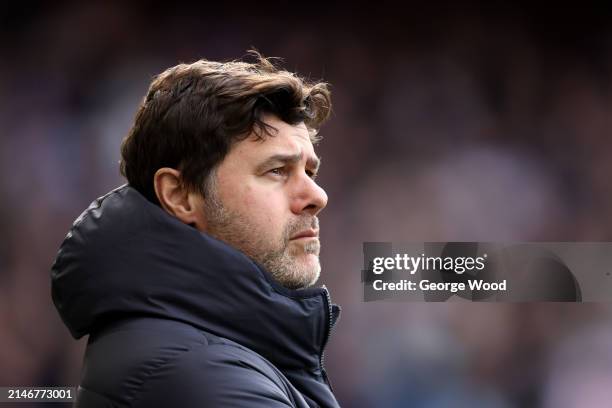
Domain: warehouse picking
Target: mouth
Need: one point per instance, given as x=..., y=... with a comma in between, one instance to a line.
x=309, y=233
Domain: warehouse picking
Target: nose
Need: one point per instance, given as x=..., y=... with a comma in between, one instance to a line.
x=309, y=197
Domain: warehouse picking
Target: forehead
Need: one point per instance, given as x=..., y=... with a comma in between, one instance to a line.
x=286, y=139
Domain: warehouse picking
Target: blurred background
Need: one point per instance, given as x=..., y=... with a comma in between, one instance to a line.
x=486, y=123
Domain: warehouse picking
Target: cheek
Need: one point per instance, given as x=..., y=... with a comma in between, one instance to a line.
x=251, y=201
x=264, y=207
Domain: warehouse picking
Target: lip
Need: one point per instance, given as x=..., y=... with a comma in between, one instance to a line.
x=309, y=233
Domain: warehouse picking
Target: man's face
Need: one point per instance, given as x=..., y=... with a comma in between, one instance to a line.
x=263, y=201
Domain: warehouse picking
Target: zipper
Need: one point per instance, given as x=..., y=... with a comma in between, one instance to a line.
x=330, y=326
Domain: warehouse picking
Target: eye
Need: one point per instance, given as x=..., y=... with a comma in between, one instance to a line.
x=311, y=174
x=278, y=171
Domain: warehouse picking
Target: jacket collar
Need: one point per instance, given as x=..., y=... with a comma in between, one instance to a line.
x=125, y=257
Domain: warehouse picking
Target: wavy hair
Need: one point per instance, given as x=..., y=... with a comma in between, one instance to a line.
x=193, y=113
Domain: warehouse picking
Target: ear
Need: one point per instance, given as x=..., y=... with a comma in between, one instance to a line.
x=175, y=198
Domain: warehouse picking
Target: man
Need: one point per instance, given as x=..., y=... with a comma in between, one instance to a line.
x=195, y=281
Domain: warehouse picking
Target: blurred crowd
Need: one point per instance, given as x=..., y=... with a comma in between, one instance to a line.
x=448, y=125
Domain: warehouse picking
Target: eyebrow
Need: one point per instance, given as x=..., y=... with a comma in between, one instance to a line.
x=312, y=163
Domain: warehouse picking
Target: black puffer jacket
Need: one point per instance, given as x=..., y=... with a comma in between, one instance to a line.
x=178, y=319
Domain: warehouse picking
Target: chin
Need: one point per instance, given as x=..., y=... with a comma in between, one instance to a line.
x=310, y=262
x=313, y=274
x=305, y=274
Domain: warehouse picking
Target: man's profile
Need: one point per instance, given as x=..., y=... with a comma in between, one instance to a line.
x=195, y=281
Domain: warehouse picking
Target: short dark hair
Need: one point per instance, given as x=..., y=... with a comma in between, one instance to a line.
x=194, y=113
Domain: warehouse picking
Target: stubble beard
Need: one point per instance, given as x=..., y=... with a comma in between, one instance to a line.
x=278, y=256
